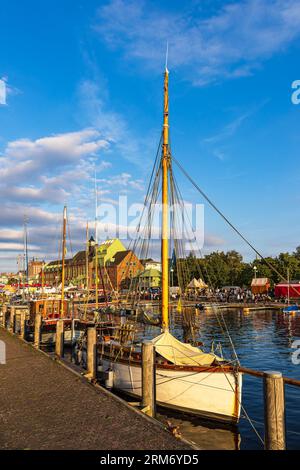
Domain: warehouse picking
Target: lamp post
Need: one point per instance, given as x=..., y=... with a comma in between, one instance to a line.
x=255, y=271
x=172, y=278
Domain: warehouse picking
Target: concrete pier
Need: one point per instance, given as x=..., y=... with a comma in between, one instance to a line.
x=43, y=405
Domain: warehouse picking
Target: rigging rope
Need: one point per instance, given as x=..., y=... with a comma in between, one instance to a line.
x=228, y=221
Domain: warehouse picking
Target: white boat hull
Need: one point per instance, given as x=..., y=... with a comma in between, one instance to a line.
x=214, y=395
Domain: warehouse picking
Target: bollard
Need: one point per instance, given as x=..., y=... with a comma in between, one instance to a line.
x=23, y=325
x=59, y=340
x=148, y=378
x=92, y=352
x=274, y=411
x=37, y=330
x=12, y=319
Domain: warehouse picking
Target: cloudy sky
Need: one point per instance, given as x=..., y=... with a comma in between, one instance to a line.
x=84, y=91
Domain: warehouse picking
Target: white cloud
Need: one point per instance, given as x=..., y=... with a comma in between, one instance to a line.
x=25, y=158
x=124, y=180
x=50, y=170
x=16, y=246
x=228, y=44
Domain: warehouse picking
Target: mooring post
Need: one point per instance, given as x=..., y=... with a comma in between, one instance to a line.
x=12, y=319
x=274, y=411
x=37, y=330
x=23, y=325
x=59, y=339
x=148, y=378
x=4, y=310
x=92, y=352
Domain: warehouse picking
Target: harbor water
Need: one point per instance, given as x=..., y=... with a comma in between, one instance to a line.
x=263, y=341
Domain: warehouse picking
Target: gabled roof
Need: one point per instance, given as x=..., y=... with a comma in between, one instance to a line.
x=81, y=255
x=53, y=263
x=120, y=256
x=260, y=281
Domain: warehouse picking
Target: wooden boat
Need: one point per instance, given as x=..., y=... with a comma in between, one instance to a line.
x=187, y=379
x=212, y=390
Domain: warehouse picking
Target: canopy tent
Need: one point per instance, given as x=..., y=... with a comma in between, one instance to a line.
x=194, y=284
x=260, y=285
x=283, y=290
x=181, y=353
x=202, y=284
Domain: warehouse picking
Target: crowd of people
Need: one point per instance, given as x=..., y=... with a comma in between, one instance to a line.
x=235, y=295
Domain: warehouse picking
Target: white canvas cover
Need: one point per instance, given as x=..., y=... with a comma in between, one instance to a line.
x=182, y=353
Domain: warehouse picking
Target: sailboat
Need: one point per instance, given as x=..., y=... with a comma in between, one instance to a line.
x=187, y=378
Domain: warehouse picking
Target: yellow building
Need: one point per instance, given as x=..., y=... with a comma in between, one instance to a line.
x=108, y=249
x=150, y=278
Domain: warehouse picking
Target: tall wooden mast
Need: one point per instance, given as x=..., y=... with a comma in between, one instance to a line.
x=96, y=241
x=63, y=262
x=164, y=235
x=87, y=259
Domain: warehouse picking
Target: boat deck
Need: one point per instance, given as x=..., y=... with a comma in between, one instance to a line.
x=46, y=406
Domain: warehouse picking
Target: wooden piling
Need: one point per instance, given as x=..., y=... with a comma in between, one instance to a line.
x=148, y=379
x=12, y=319
x=274, y=405
x=4, y=311
x=37, y=330
x=59, y=339
x=23, y=324
x=92, y=352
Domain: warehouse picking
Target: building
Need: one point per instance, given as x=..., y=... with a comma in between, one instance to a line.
x=34, y=268
x=150, y=278
x=149, y=263
x=108, y=249
x=119, y=271
x=52, y=273
x=260, y=285
x=291, y=290
x=76, y=269
x=112, y=261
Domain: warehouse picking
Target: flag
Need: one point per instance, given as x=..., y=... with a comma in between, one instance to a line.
x=179, y=306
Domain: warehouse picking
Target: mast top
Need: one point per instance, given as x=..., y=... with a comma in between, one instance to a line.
x=167, y=56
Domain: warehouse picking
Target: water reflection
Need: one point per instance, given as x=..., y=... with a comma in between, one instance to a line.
x=206, y=436
x=262, y=340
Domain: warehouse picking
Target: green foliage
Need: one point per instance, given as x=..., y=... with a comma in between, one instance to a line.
x=219, y=269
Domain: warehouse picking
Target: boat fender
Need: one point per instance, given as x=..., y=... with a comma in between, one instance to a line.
x=79, y=356
x=109, y=379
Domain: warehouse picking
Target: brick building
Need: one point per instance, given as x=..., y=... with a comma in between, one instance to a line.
x=34, y=268
x=118, y=272
x=116, y=264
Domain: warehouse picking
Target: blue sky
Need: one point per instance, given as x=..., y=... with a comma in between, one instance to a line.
x=84, y=82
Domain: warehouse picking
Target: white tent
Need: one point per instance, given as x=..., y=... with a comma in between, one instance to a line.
x=194, y=284
x=197, y=285
x=202, y=283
